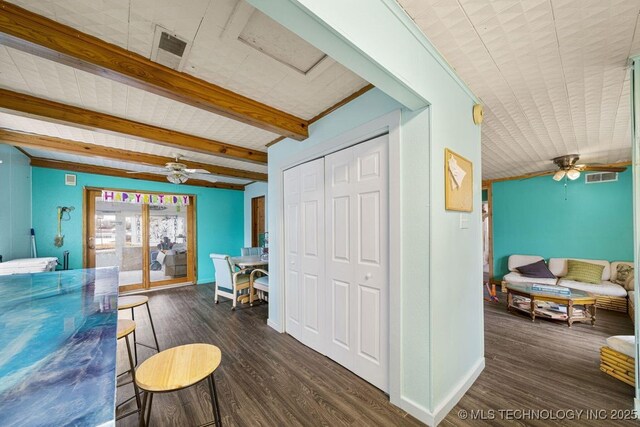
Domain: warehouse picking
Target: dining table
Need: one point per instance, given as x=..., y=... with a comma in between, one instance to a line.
x=250, y=261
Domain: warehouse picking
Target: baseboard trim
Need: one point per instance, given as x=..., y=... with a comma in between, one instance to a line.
x=456, y=394
x=416, y=410
x=274, y=325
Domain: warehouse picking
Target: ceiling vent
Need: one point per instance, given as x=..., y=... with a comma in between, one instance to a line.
x=169, y=49
x=599, y=177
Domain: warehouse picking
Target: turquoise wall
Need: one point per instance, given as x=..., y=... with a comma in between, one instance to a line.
x=535, y=217
x=15, y=209
x=219, y=215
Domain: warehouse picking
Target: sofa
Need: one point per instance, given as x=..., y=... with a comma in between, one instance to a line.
x=611, y=295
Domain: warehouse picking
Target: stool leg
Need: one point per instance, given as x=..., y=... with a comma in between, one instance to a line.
x=148, y=417
x=143, y=409
x=153, y=329
x=214, y=400
x=133, y=373
x=135, y=342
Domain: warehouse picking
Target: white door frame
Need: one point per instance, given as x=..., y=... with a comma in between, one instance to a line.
x=388, y=123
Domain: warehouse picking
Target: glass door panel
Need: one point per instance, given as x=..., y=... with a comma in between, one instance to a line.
x=168, y=244
x=118, y=240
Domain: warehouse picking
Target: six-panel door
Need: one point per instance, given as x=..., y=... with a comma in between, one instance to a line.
x=336, y=255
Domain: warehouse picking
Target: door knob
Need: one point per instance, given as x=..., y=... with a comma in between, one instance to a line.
x=367, y=276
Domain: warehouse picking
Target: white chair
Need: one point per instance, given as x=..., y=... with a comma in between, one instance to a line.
x=228, y=282
x=261, y=284
x=251, y=251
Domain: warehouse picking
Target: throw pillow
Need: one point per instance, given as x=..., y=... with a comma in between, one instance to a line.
x=623, y=272
x=538, y=270
x=586, y=272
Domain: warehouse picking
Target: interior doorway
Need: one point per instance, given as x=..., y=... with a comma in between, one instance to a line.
x=258, y=220
x=151, y=244
x=487, y=237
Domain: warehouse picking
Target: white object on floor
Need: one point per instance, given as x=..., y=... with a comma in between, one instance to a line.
x=28, y=265
x=625, y=344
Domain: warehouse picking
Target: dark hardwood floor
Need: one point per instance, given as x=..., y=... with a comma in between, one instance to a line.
x=270, y=379
x=265, y=379
x=545, y=366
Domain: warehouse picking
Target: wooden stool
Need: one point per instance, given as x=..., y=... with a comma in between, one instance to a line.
x=131, y=302
x=124, y=329
x=178, y=368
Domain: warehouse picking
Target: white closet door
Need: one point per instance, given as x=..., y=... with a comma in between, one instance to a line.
x=304, y=248
x=356, y=188
x=292, y=250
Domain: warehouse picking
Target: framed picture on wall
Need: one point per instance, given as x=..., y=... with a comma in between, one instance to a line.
x=458, y=182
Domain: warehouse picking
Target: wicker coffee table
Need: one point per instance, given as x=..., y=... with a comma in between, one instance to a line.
x=576, y=297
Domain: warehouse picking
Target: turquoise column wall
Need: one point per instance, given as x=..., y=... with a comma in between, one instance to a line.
x=536, y=217
x=219, y=215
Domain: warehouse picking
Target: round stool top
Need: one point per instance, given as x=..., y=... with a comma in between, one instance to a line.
x=131, y=301
x=178, y=367
x=125, y=327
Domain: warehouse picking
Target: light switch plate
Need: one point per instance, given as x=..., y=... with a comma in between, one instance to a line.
x=464, y=221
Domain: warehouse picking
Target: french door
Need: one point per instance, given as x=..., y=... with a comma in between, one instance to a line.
x=336, y=257
x=152, y=245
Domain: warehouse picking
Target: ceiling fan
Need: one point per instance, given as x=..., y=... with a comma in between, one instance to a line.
x=177, y=172
x=568, y=167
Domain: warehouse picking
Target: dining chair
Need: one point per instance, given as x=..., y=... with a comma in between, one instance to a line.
x=260, y=283
x=228, y=282
x=251, y=251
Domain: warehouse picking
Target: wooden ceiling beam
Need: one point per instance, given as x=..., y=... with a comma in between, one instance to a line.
x=93, y=120
x=331, y=109
x=43, y=37
x=121, y=173
x=67, y=146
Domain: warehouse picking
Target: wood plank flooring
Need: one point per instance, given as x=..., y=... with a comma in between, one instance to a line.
x=545, y=365
x=270, y=379
x=265, y=379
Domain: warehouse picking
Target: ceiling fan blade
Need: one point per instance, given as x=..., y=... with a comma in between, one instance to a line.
x=596, y=168
x=154, y=172
x=537, y=174
x=201, y=171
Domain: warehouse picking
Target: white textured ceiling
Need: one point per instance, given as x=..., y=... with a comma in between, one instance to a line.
x=552, y=75
x=233, y=45
x=94, y=161
x=30, y=125
x=218, y=54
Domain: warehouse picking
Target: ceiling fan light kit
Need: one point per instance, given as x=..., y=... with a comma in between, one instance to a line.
x=573, y=174
x=178, y=173
x=177, y=177
x=568, y=167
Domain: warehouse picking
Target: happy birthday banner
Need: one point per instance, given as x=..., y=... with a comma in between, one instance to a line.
x=143, y=198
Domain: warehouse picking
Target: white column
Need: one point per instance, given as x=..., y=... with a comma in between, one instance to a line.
x=635, y=139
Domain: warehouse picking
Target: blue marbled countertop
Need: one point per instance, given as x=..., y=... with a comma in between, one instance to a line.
x=58, y=348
